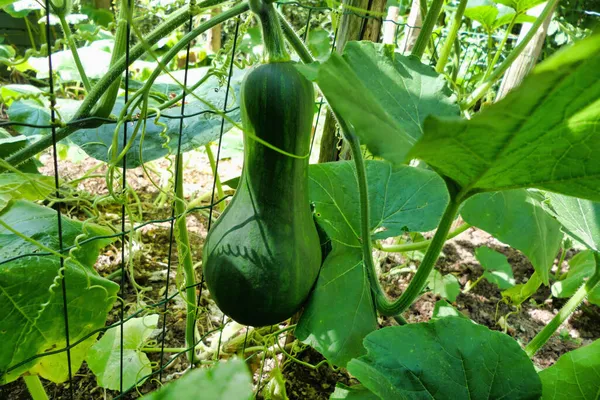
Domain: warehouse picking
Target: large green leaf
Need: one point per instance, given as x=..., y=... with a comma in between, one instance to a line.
x=10, y=144
x=201, y=127
x=384, y=95
x=576, y=375
x=31, y=293
x=225, y=381
x=402, y=199
x=543, y=134
x=581, y=267
x=104, y=358
x=26, y=185
x=37, y=112
x=449, y=358
x=482, y=11
x=517, y=218
x=579, y=218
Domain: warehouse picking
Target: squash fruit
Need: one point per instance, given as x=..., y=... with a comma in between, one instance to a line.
x=262, y=256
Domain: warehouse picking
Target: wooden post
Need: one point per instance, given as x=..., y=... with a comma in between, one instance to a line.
x=389, y=27
x=527, y=59
x=352, y=27
x=413, y=27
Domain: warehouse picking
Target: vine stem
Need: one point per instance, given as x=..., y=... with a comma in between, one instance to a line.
x=498, y=72
x=449, y=43
x=185, y=259
x=213, y=167
x=501, y=46
x=84, y=111
x=35, y=387
x=404, y=247
x=417, y=284
x=271, y=30
x=428, y=25
x=294, y=40
x=574, y=302
x=73, y=47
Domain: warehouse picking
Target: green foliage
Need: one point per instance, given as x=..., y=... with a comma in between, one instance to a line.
x=445, y=286
x=224, y=381
x=104, y=357
x=574, y=376
x=581, y=267
x=444, y=309
x=517, y=218
x=449, y=358
x=32, y=295
x=540, y=135
x=580, y=218
x=413, y=199
x=496, y=268
x=356, y=392
x=384, y=95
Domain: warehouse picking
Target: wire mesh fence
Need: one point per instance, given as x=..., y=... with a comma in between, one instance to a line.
x=170, y=349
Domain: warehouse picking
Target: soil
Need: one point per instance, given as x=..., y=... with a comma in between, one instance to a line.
x=151, y=262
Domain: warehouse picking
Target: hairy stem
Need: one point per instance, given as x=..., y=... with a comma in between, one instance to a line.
x=427, y=29
x=73, y=47
x=456, y=23
x=574, y=302
x=404, y=247
x=499, y=71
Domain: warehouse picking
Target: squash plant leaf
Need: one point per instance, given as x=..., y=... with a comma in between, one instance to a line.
x=224, y=381
x=400, y=199
x=574, y=375
x=443, y=309
x=445, y=286
x=356, y=392
x=26, y=186
x=543, y=134
x=520, y=6
x=104, y=358
x=449, y=358
x=580, y=218
x=384, y=95
x=31, y=294
x=517, y=218
x=581, y=267
x=496, y=268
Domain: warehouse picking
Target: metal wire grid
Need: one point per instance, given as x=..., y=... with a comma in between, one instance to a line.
x=124, y=233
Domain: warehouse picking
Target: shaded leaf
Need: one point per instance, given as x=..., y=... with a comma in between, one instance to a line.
x=542, y=134
x=517, y=218
x=26, y=186
x=356, y=392
x=517, y=294
x=449, y=358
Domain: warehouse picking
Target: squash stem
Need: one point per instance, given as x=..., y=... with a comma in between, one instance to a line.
x=185, y=259
x=427, y=29
x=271, y=30
x=569, y=308
x=35, y=387
x=449, y=43
x=73, y=47
x=295, y=41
